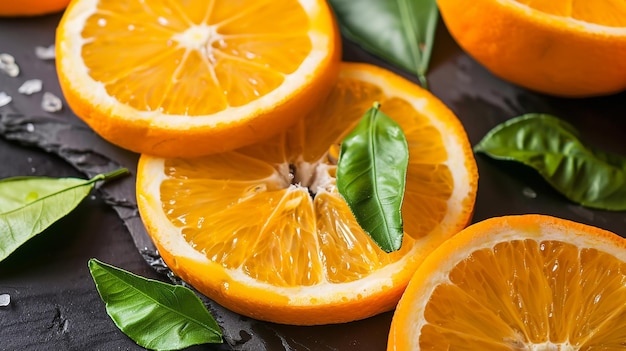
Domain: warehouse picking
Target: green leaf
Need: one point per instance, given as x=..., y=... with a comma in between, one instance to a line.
x=156, y=315
x=29, y=205
x=399, y=31
x=583, y=174
x=371, y=176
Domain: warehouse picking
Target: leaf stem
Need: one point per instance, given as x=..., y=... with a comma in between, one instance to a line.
x=423, y=80
x=111, y=175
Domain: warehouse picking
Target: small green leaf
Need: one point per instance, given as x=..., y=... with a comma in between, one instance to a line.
x=399, y=31
x=583, y=174
x=156, y=315
x=29, y=205
x=371, y=176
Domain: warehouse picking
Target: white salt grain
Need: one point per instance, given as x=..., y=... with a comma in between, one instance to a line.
x=4, y=98
x=6, y=59
x=51, y=103
x=529, y=193
x=45, y=53
x=8, y=65
x=31, y=86
x=5, y=300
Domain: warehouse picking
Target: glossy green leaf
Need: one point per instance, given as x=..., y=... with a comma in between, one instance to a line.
x=29, y=205
x=371, y=176
x=156, y=315
x=583, y=174
x=401, y=32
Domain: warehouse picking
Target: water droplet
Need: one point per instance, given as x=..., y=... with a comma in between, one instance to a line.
x=162, y=21
x=30, y=87
x=597, y=299
x=102, y=22
x=131, y=27
x=92, y=197
x=529, y=193
x=51, y=103
x=45, y=52
x=29, y=159
x=33, y=170
x=249, y=55
x=4, y=99
x=200, y=222
x=5, y=300
x=30, y=127
x=555, y=267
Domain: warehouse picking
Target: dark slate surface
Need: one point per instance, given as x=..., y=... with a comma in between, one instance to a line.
x=54, y=303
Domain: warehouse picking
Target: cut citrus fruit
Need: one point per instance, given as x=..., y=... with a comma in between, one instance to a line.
x=263, y=231
x=25, y=8
x=565, y=48
x=185, y=79
x=527, y=282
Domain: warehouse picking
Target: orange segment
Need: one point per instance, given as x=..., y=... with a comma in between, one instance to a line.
x=564, y=48
x=526, y=282
x=193, y=78
x=263, y=230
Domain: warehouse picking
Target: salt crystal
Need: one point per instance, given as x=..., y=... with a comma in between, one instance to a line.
x=31, y=86
x=530, y=193
x=45, y=53
x=51, y=103
x=6, y=59
x=4, y=98
x=5, y=300
x=8, y=65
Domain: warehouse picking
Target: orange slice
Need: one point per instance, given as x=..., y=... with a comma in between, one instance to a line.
x=529, y=282
x=263, y=231
x=559, y=47
x=189, y=78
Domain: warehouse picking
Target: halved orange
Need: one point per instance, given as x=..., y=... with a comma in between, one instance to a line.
x=174, y=78
x=26, y=8
x=558, y=47
x=526, y=282
x=263, y=231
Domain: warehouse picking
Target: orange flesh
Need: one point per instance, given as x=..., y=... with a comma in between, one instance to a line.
x=217, y=51
x=259, y=199
x=610, y=13
x=529, y=292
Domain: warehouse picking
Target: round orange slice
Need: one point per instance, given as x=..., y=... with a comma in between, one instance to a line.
x=528, y=282
x=263, y=231
x=183, y=79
